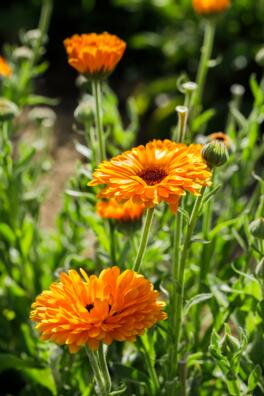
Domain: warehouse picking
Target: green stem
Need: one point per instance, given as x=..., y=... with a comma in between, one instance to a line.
x=112, y=242
x=144, y=239
x=179, y=132
x=180, y=283
x=96, y=87
x=183, y=377
x=93, y=358
x=206, y=50
x=104, y=367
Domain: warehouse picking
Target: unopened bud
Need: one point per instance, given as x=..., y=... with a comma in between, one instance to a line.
x=8, y=109
x=42, y=115
x=237, y=90
x=84, y=111
x=32, y=37
x=215, y=153
x=22, y=53
x=189, y=87
x=257, y=228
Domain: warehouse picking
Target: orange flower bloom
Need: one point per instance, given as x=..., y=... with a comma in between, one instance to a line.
x=94, y=55
x=5, y=69
x=159, y=171
x=123, y=211
x=110, y=307
x=210, y=6
x=221, y=137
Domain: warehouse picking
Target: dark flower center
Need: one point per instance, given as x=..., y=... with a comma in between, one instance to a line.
x=89, y=307
x=220, y=138
x=153, y=176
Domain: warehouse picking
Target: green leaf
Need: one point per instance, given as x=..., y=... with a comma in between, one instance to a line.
x=43, y=377
x=254, y=378
x=202, y=119
x=34, y=100
x=25, y=160
x=80, y=194
x=7, y=233
x=211, y=193
x=9, y=361
x=119, y=391
x=83, y=150
x=196, y=300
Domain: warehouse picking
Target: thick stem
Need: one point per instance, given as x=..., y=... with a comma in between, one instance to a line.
x=144, y=239
x=96, y=87
x=93, y=358
x=207, y=49
x=180, y=283
x=104, y=368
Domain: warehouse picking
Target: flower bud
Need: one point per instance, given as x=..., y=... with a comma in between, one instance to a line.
x=189, y=87
x=23, y=53
x=8, y=109
x=31, y=37
x=215, y=153
x=257, y=228
x=84, y=111
x=42, y=115
x=260, y=57
x=237, y=90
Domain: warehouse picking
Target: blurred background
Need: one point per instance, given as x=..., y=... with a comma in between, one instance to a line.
x=164, y=39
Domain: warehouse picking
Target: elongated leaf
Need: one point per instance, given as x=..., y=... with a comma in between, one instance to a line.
x=42, y=377
x=196, y=300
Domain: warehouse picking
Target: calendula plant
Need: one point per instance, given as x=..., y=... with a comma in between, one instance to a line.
x=151, y=283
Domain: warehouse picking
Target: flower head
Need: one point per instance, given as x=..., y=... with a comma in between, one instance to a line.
x=123, y=211
x=94, y=55
x=159, y=171
x=86, y=311
x=210, y=6
x=5, y=69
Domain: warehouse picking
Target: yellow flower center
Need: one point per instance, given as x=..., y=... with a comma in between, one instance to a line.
x=153, y=176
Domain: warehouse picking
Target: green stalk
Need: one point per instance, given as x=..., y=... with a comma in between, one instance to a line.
x=112, y=242
x=96, y=87
x=100, y=380
x=104, y=368
x=206, y=51
x=144, y=239
x=180, y=289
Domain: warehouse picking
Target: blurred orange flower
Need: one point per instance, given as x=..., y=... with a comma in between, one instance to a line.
x=210, y=6
x=86, y=311
x=5, y=69
x=94, y=55
x=221, y=137
x=122, y=211
x=159, y=171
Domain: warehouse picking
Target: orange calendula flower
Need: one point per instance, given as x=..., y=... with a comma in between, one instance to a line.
x=222, y=137
x=5, y=69
x=210, y=6
x=94, y=55
x=86, y=311
x=123, y=211
x=159, y=171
